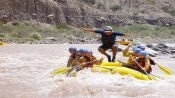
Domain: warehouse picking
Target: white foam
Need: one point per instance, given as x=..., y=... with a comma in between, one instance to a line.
x=25, y=72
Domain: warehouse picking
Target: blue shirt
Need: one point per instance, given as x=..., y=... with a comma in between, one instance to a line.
x=108, y=39
x=115, y=33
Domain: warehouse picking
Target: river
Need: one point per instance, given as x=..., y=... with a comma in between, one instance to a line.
x=25, y=72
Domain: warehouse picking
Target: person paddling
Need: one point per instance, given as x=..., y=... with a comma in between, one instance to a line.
x=91, y=58
x=73, y=57
x=108, y=41
x=87, y=60
x=143, y=48
x=138, y=60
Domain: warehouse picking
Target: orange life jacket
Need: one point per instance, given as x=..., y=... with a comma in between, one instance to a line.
x=141, y=62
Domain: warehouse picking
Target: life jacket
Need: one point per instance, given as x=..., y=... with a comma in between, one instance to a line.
x=73, y=59
x=108, y=39
x=141, y=62
x=88, y=60
x=73, y=55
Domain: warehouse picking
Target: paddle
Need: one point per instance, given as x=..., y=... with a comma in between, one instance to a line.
x=164, y=69
x=77, y=67
x=61, y=70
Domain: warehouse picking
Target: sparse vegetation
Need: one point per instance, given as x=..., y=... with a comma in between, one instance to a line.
x=173, y=32
x=89, y=1
x=63, y=26
x=100, y=6
x=116, y=7
x=18, y=35
x=2, y=35
x=169, y=10
x=152, y=2
x=146, y=30
x=15, y=23
x=35, y=35
x=33, y=31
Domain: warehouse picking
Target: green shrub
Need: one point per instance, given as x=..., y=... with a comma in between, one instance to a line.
x=63, y=26
x=17, y=35
x=89, y=1
x=15, y=23
x=172, y=12
x=169, y=10
x=172, y=32
x=152, y=2
x=2, y=35
x=1, y=23
x=100, y=6
x=35, y=35
x=28, y=23
x=116, y=7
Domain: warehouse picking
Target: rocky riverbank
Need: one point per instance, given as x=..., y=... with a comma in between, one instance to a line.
x=162, y=48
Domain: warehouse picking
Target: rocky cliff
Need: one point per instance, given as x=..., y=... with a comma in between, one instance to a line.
x=90, y=12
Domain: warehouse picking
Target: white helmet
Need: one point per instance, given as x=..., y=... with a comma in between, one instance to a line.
x=108, y=28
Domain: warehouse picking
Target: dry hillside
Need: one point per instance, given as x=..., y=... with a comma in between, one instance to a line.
x=90, y=12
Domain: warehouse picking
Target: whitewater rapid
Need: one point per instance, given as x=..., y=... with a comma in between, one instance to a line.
x=25, y=72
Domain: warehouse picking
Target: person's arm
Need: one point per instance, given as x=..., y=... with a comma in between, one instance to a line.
x=82, y=61
x=147, y=64
x=152, y=62
x=122, y=34
x=70, y=61
x=126, y=52
x=90, y=30
x=94, y=30
x=99, y=62
x=119, y=33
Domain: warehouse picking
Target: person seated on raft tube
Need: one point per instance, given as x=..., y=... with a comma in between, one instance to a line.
x=108, y=41
x=88, y=59
x=140, y=57
x=73, y=57
x=143, y=48
x=75, y=60
x=91, y=58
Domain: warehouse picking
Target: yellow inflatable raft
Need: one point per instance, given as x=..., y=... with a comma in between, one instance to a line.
x=124, y=42
x=106, y=63
x=2, y=43
x=113, y=67
x=122, y=71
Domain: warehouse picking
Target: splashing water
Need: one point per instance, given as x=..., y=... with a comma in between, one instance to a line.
x=25, y=73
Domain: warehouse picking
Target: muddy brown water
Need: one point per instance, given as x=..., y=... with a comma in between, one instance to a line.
x=25, y=73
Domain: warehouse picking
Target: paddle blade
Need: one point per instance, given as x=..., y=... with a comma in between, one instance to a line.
x=60, y=70
x=165, y=69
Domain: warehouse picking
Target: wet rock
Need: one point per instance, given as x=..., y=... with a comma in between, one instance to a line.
x=173, y=51
x=149, y=45
x=164, y=49
x=172, y=57
x=52, y=38
x=152, y=21
x=4, y=19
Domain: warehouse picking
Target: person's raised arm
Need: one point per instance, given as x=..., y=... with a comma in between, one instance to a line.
x=90, y=30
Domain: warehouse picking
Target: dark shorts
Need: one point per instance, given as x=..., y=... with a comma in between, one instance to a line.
x=108, y=46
